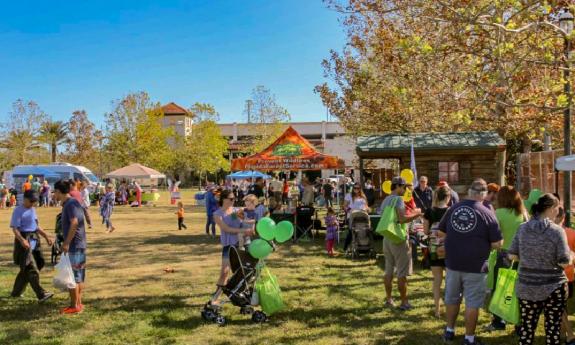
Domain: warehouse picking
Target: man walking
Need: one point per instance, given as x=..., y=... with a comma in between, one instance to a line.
x=423, y=194
x=398, y=256
x=327, y=189
x=470, y=231
x=74, y=242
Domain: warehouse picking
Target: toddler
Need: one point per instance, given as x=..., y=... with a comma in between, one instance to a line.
x=180, y=214
x=332, y=227
x=250, y=216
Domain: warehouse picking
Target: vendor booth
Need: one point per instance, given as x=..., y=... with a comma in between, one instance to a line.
x=146, y=177
x=290, y=152
x=244, y=175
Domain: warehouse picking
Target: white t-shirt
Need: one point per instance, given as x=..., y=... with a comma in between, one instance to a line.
x=357, y=204
x=85, y=193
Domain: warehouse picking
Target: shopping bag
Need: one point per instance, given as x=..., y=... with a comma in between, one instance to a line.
x=269, y=292
x=389, y=227
x=491, y=262
x=504, y=302
x=64, y=278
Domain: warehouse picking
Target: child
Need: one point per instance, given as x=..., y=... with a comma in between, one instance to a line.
x=27, y=253
x=250, y=218
x=180, y=214
x=332, y=226
x=12, y=200
x=107, y=206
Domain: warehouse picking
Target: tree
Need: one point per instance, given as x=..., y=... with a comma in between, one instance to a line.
x=206, y=148
x=85, y=142
x=134, y=133
x=447, y=65
x=20, y=134
x=267, y=116
x=54, y=133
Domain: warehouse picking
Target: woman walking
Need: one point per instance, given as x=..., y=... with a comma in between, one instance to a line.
x=230, y=224
x=107, y=206
x=431, y=219
x=354, y=201
x=542, y=251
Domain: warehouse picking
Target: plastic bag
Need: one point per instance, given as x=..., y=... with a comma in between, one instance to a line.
x=505, y=303
x=64, y=278
x=269, y=292
x=389, y=227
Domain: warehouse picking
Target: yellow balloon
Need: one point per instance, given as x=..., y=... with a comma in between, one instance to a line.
x=407, y=175
x=407, y=196
x=30, y=177
x=386, y=186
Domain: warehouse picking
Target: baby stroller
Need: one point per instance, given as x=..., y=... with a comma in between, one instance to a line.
x=240, y=289
x=362, y=238
x=58, y=241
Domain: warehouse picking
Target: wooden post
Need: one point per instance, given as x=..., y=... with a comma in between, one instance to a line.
x=500, y=169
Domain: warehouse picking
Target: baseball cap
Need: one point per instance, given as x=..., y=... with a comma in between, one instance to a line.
x=398, y=181
x=31, y=195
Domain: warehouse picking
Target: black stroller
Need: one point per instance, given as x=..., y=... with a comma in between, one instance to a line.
x=304, y=222
x=58, y=241
x=240, y=289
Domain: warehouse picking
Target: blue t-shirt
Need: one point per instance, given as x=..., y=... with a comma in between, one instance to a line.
x=73, y=209
x=24, y=219
x=470, y=228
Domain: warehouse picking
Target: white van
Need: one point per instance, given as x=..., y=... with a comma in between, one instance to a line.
x=64, y=170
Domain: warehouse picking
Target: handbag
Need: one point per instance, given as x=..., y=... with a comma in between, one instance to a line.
x=504, y=302
x=389, y=226
x=269, y=292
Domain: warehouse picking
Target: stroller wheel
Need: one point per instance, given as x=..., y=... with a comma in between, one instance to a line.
x=220, y=320
x=259, y=317
x=208, y=315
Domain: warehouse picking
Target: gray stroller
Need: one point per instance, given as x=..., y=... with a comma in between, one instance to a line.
x=362, y=237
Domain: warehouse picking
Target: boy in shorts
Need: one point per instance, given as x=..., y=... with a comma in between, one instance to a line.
x=74, y=241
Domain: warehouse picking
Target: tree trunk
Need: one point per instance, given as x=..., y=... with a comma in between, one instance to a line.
x=53, y=151
x=526, y=148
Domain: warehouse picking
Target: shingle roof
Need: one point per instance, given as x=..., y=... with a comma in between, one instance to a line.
x=174, y=109
x=429, y=141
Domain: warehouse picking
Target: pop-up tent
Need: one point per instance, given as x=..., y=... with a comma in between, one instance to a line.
x=143, y=175
x=290, y=151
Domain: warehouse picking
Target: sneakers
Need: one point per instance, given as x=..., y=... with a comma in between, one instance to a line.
x=46, y=297
x=448, y=336
x=70, y=310
x=494, y=327
x=476, y=342
x=405, y=307
x=389, y=303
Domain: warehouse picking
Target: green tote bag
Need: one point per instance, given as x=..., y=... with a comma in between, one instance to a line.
x=269, y=292
x=389, y=226
x=504, y=302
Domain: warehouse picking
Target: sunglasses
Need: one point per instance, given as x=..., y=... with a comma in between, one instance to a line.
x=232, y=198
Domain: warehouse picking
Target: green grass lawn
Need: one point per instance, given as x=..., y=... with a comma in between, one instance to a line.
x=130, y=300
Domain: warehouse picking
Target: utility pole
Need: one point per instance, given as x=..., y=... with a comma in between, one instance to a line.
x=249, y=104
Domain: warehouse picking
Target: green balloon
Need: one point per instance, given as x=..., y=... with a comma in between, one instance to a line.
x=284, y=231
x=266, y=228
x=259, y=249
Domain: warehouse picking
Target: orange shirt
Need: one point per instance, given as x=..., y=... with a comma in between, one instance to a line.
x=27, y=186
x=569, y=270
x=181, y=213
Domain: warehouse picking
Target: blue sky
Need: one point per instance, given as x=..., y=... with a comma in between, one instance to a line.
x=69, y=55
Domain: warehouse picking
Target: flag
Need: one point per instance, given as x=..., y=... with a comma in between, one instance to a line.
x=413, y=168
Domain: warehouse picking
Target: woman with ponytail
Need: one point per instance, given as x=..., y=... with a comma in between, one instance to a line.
x=541, y=248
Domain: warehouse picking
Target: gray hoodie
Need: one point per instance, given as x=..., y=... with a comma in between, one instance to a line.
x=541, y=246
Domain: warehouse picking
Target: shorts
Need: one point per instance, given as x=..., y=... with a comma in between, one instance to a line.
x=397, y=258
x=226, y=252
x=78, y=262
x=470, y=286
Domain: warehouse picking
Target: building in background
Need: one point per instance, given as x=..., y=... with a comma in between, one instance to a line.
x=178, y=118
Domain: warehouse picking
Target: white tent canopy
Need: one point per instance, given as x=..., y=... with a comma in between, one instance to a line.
x=565, y=163
x=136, y=171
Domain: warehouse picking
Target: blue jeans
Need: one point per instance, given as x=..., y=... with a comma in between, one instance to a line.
x=211, y=222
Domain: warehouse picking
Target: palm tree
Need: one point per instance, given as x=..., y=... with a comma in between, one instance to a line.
x=54, y=133
x=19, y=143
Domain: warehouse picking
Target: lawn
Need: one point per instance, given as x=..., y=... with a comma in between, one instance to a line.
x=130, y=300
